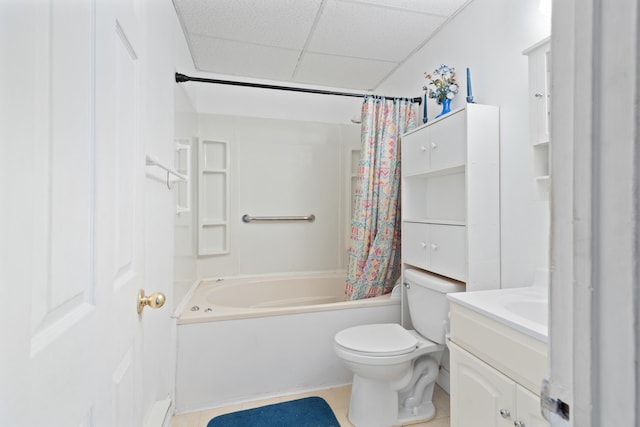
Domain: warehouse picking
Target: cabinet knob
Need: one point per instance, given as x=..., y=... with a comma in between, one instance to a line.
x=434, y=246
x=538, y=95
x=504, y=413
x=423, y=148
x=423, y=244
x=434, y=145
x=518, y=423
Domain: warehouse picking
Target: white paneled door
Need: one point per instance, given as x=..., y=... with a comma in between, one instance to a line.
x=73, y=180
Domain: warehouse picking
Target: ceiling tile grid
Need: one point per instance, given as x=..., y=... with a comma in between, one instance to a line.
x=277, y=23
x=243, y=59
x=340, y=43
x=368, y=31
x=442, y=8
x=338, y=71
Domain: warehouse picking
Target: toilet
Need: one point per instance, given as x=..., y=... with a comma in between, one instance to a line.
x=395, y=369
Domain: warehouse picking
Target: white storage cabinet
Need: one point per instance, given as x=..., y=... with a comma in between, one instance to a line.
x=451, y=197
x=496, y=373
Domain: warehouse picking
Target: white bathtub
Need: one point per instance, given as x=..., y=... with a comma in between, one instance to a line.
x=260, y=337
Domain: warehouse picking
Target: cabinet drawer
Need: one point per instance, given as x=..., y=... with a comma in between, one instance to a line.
x=513, y=353
x=447, y=142
x=415, y=244
x=448, y=250
x=415, y=152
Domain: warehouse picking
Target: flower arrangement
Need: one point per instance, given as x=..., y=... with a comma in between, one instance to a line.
x=442, y=83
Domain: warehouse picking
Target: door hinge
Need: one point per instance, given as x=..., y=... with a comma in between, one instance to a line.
x=549, y=405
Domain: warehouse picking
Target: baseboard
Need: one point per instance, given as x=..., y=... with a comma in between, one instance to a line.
x=443, y=380
x=161, y=414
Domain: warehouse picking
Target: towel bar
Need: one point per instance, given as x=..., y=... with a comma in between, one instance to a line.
x=248, y=218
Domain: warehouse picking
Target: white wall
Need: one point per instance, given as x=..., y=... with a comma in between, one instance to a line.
x=185, y=126
x=488, y=36
x=241, y=115
x=281, y=167
x=274, y=104
x=287, y=158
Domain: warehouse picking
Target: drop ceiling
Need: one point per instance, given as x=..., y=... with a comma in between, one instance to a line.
x=338, y=43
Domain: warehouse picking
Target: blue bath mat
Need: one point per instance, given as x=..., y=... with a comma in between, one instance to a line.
x=307, y=412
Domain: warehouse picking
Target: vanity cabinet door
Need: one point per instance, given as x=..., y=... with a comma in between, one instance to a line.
x=480, y=395
x=528, y=405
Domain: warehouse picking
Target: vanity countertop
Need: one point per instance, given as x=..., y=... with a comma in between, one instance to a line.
x=523, y=309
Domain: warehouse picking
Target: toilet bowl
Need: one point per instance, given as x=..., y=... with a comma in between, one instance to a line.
x=395, y=369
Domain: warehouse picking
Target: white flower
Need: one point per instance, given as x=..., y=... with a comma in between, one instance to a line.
x=450, y=95
x=453, y=88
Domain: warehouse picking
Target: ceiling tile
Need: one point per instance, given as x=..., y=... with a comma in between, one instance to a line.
x=243, y=59
x=341, y=72
x=355, y=43
x=369, y=31
x=434, y=7
x=280, y=23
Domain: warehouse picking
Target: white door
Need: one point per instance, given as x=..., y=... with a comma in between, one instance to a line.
x=72, y=210
x=595, y=164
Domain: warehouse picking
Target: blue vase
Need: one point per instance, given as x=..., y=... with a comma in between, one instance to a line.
x=446, y=107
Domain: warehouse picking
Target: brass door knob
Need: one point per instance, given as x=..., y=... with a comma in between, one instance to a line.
x=155, y=300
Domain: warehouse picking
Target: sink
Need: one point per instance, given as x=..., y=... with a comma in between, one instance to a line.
x=524, y=309
x=534, y=311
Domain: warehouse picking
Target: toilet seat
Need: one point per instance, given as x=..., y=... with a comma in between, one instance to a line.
x=377, y=340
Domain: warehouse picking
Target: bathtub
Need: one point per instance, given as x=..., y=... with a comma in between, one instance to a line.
x=245, y=339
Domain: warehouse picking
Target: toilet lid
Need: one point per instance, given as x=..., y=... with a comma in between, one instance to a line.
x=388, y=339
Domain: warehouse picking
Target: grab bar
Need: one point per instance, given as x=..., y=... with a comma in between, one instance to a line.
x=248, y=218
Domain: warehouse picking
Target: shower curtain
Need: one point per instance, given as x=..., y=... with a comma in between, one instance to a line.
x=374, y=249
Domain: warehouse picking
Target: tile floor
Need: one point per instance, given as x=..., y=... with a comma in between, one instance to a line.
x=337, y=398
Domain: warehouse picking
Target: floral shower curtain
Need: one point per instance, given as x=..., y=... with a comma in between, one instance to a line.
x=374, y=250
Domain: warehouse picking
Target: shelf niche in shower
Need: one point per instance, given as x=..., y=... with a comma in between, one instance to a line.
x=213, y=197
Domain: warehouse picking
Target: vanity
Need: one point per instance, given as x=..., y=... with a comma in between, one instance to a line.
x=498, y=354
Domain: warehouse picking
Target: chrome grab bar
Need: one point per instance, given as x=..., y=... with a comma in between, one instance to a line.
x=248, y=218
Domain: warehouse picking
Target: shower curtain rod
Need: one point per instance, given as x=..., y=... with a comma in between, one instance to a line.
x=181, y=78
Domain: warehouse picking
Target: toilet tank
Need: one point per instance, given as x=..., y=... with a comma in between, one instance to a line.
x=427, y=300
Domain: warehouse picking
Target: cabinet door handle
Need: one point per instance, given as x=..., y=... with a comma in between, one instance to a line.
x=423, y=148
x=538, y=95
x=434, y=145
x=434, y=247
x=518, y=423
x=423, y=244
x=504, y=413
